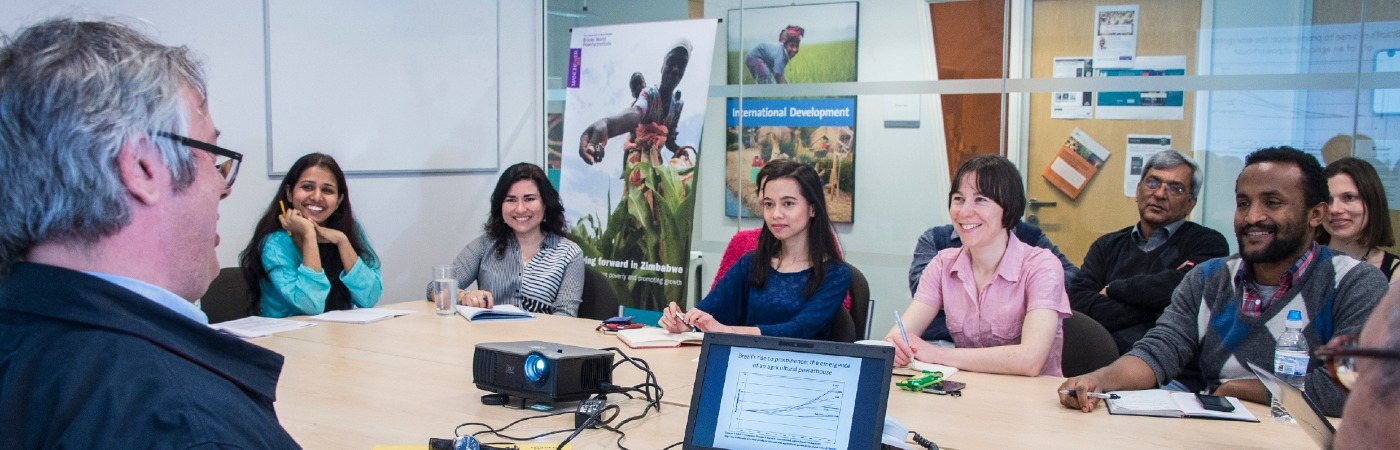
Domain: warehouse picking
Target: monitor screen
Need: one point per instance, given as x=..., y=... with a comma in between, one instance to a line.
x=756, y=392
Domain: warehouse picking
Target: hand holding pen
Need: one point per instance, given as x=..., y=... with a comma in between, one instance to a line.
x=1098, y=395
x=674, y=321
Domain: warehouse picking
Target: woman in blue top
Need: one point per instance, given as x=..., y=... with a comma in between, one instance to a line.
x=793, y=283
x=308, y=255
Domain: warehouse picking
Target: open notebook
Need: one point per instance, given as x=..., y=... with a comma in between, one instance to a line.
x=1165, y=403
x=498, y=312
x=651, y=337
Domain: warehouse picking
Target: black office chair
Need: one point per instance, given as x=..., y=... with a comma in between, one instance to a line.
x=842, y=328
x=1087, y=346
x=599, y=298
x=860, y=302
x=227, y=298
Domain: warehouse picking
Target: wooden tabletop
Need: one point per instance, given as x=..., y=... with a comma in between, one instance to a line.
x=406, y=379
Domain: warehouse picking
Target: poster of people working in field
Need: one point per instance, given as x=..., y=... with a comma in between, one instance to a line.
x=790, y=45
x=633, y=109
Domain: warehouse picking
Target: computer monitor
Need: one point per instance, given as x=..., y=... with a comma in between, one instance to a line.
x=757, y=392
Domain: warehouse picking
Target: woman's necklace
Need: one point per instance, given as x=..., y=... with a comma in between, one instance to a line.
x=784, y=261
x=1367, y=258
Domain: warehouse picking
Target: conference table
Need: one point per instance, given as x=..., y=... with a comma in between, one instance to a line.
x=403, y=380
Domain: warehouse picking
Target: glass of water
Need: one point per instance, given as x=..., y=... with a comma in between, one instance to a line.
x=444, y=290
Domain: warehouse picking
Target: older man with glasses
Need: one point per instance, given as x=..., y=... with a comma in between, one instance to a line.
x=111, y=182
x=1129, y=275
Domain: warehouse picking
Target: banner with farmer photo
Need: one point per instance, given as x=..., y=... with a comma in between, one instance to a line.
x=791, y=45
x=633, y=109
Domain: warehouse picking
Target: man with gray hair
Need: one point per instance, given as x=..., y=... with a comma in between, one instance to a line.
x=1128, y=275
x=111, y=183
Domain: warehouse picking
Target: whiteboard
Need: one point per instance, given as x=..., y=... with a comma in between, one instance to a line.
x=384, y=87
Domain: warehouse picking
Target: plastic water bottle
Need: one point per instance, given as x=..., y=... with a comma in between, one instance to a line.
x=1290, y=360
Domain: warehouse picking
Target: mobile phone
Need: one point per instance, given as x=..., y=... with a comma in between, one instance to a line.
x=946, y=387
x=620, y=326
x=1215, y=403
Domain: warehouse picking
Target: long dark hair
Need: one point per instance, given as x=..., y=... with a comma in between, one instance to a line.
x=553, y=221
x=821, y=245
x=342, y=220
x=1368, y=185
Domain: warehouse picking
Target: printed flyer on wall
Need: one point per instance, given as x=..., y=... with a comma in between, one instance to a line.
x=629, y=151
x=1145, y=105
x=1076, y=163
x=1115, y=36
x=1140, y=147
x=1072, y=105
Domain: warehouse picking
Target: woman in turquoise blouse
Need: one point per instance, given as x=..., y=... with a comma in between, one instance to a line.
x=308, y=255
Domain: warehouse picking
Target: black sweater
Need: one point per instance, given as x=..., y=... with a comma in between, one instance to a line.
x=1140, y=284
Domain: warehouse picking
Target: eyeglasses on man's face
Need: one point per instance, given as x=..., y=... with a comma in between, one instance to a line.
x=225, y=161
x=1153, y=183
x=1341, y=359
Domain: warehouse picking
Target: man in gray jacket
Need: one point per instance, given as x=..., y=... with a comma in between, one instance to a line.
x=1231, y=310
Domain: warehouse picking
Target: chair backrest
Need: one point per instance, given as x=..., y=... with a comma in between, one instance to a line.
x=842, y=327
x=227, y=298
x=1087, y=347
x=860, y=302
x=599, y=298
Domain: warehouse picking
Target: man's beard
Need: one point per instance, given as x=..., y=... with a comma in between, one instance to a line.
x=1286, y=241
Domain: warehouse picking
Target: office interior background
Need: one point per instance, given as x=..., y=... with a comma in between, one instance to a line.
x=426, y=101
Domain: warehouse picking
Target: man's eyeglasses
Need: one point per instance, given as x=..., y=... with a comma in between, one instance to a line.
x=225, y=161
x=1152, y=184
x=1341, y=359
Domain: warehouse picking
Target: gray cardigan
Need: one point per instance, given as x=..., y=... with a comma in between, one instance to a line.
x=1184, y=337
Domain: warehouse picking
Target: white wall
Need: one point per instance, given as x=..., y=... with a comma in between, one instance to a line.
x=412, y=221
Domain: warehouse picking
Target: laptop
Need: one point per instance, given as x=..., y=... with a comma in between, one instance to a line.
x=1302, y=408
x=759, y=392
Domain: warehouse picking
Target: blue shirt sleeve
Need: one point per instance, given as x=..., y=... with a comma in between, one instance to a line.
x=723, y=301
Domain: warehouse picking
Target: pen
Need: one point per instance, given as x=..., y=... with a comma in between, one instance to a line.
x=1072, y=393
x=283, y=205
x=682, y=319
x=900, y=323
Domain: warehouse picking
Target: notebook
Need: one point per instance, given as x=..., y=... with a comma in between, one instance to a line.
x=1299, y=406
x=498, y=312
x=1165, y=403
x=651, y=337
x=360, y=315
x=761, y=392
x=915, y=366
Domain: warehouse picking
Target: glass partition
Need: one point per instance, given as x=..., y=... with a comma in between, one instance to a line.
x=934, y=82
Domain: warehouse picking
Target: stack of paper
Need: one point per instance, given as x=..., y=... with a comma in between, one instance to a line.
x=258, y=326
x=360, y=315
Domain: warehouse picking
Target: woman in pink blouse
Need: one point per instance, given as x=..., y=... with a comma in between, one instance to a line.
x=1004, y=299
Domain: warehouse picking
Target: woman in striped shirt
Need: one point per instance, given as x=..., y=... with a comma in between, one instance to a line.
x=524, y=258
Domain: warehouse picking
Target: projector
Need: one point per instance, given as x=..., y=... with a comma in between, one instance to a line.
x=541, y=371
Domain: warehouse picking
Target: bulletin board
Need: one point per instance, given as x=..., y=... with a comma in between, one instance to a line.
x=384, y=87
x=1063, y=29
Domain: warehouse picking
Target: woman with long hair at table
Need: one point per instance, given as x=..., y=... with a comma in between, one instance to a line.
x=1358, y=215
x=308, y=254
x=793, y=284
x=524, y=258
x=1003, y=298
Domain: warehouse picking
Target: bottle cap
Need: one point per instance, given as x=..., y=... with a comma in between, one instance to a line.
x=1295, y=315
